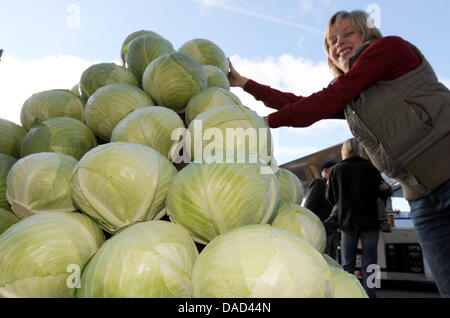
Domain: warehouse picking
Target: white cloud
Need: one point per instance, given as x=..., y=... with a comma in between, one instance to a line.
x=21, y=79
x=322, y=128
x=285, y=154
x=445, y=81
x=286, y=73
x=300, y=77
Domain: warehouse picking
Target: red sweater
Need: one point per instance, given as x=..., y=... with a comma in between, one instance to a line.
x=385, y=59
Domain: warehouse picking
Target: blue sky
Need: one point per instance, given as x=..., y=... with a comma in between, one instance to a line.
x=277, y=42
x=35, y=29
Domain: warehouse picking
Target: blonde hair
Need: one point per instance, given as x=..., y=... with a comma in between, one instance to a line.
x=351, y=148
x=359, y=20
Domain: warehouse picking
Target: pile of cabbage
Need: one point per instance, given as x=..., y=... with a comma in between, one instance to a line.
x=151, y=179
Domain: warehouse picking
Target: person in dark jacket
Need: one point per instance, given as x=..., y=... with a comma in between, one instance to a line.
x=353, y=187
x=317, y=203
x=315, y=195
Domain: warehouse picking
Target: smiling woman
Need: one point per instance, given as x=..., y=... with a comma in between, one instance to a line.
x=395, y=107
x=344, y=36
x=126, y=185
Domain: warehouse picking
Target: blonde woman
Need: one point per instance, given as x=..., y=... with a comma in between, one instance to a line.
x=396, y=108
x=353, y=188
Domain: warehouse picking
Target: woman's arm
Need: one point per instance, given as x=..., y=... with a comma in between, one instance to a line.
x=385, y=59
x=269, y=96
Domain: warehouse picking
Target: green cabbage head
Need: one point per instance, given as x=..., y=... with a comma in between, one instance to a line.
x=7, y=219
x=211, y=198
x=229, y=127
x=216, y=78
x=102, y=74
x=120, y=183
x=207, y=99
x=302, y=222
x=6, y=163
x=77, y=90
x=143, y=50
x=42, y=256
x=150, y=126
x=291, y=188
x=11, y=137
x=346, y=285
x=64, y=135
x=173, y=79
x=52, y=103
x=260, y=261
x=332, y=262
x=206, y=53
x=130, y=38
x=109, y=104
x=151, y=259
x=40, y=183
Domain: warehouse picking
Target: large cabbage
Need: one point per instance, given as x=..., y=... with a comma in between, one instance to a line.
x=151, y=126
x=259, y=261
x=143, y=50
x=230, y=127
x=216, y=78
x=302, y=222
x=7, y=219
x=52, y=103
x=77, y=90
x=206, y=53
x=130, y=38
x=151, y=259
x=210, y=198
x=109, y=104
x=120, y=183
x=102, y=74
x=42, y=255
x=291, y=188
x=207, y=99
x=6, y=162
x=40, y=183
x=64, y=135
x=332, y=263
x=346, y=285
x=11, y=137
x=173, y=79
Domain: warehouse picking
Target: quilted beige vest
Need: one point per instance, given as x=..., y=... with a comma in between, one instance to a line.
x=404, y=127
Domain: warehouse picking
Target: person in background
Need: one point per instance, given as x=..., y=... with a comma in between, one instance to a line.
x=353, y=187
x=396, y=108
x=317, y=203
x=315, y=194
x=385, y=192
